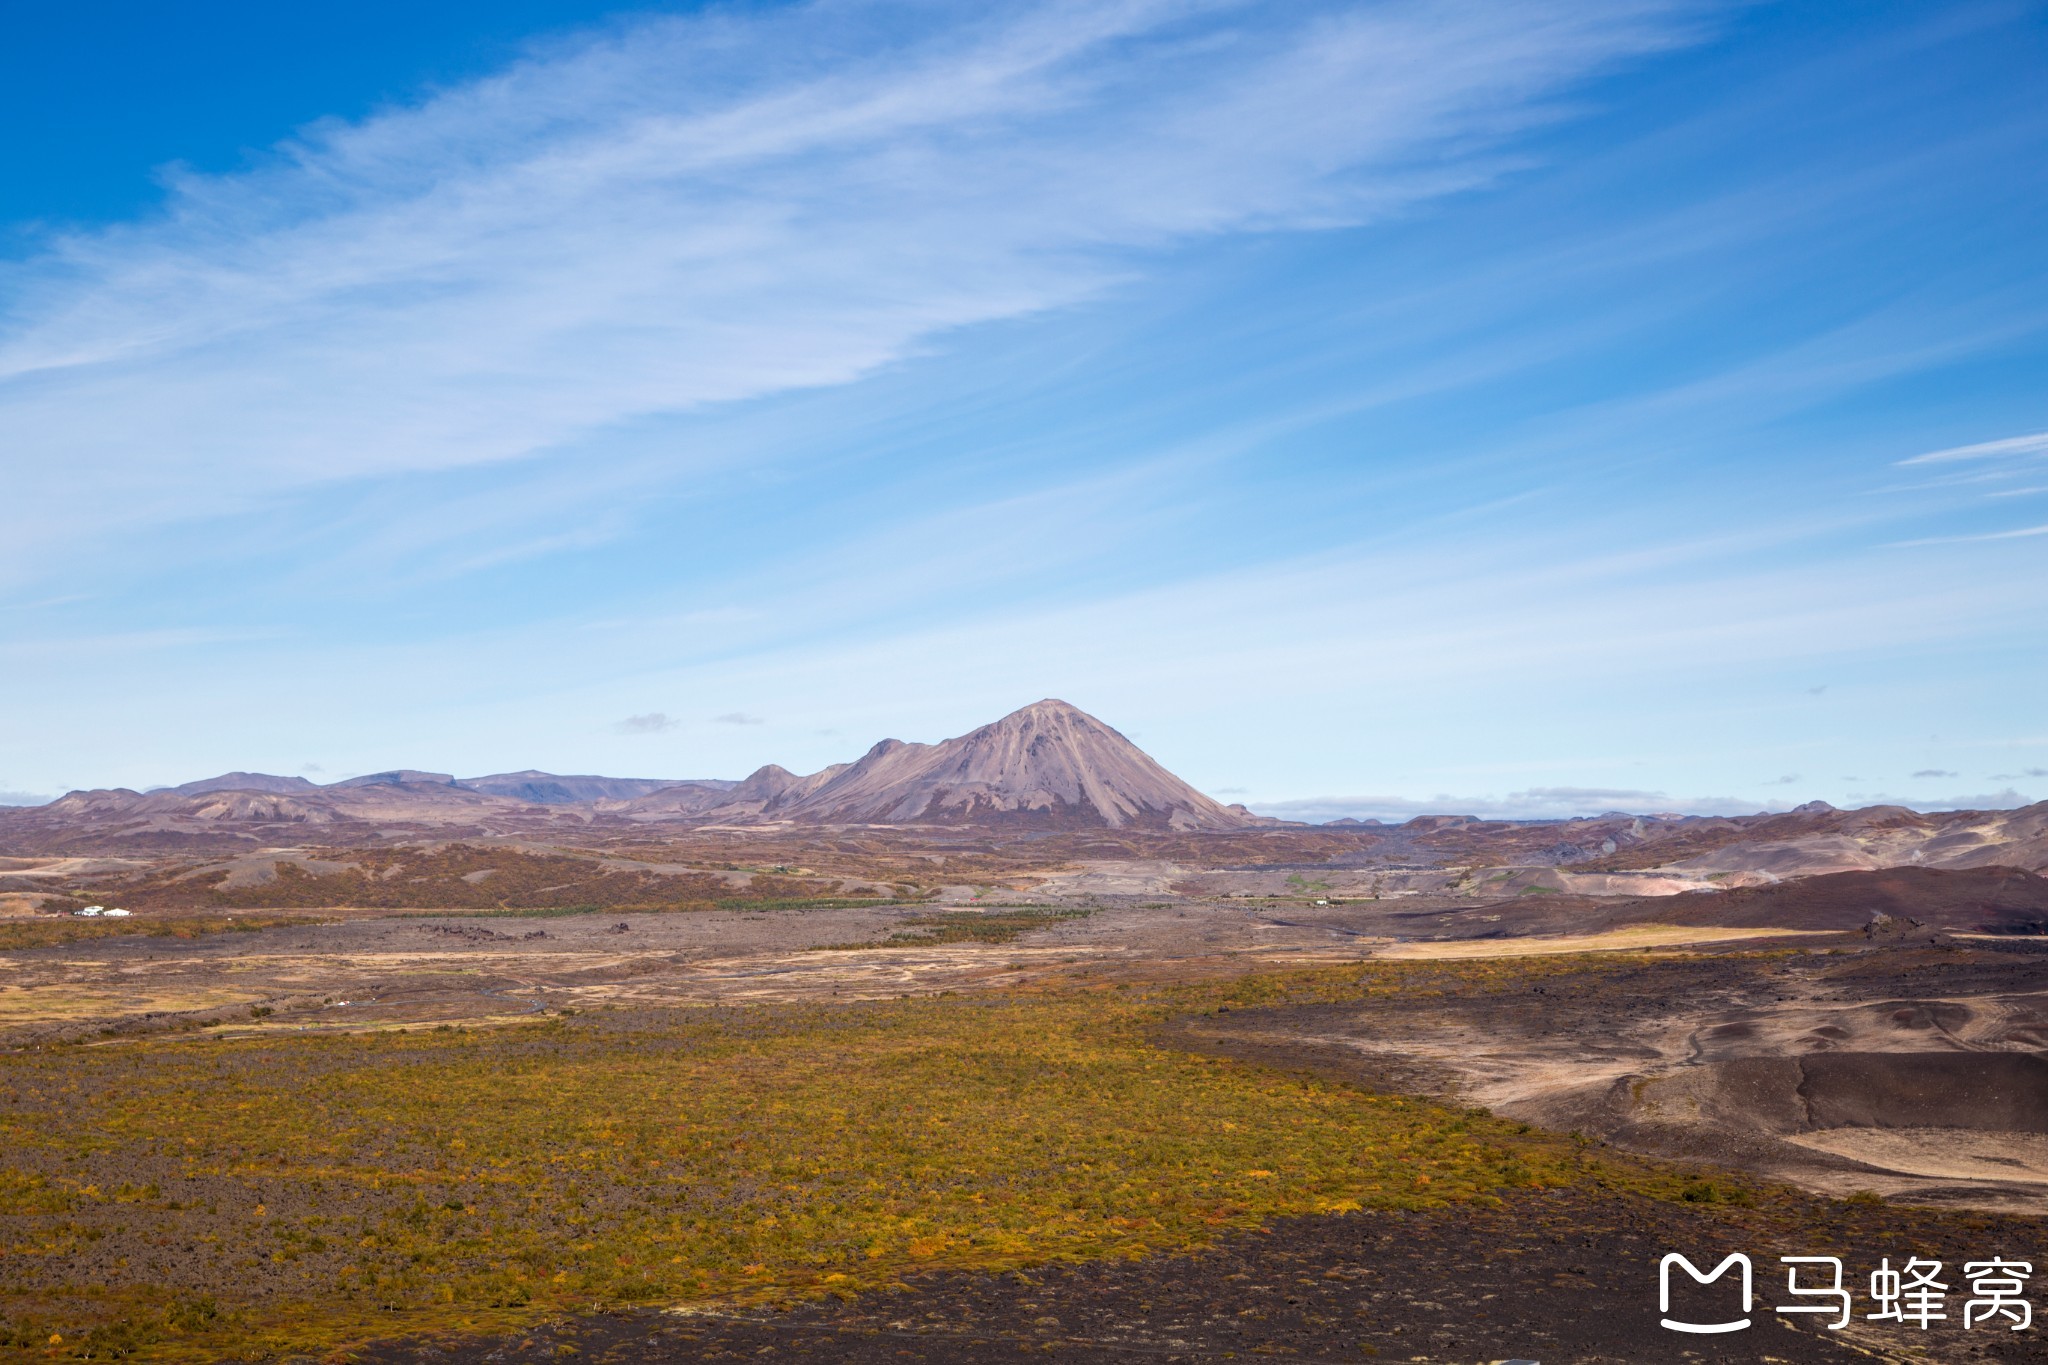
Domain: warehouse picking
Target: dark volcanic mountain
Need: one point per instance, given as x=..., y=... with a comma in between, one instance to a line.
x=554, y=789
x=398, y=777
x=244, y=782
x=1049, y=764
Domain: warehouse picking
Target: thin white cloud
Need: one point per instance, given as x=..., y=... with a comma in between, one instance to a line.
x=2012, y=447
x=2021, y=534
x=1559, y=803
x=73, y=650
x=2005, y=799
x=1584, y=794
x=651, y=723
x=1537, y=803
x=738, y=718
x=687, y=211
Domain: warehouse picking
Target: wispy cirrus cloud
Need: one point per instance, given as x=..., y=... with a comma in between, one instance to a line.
x=688, y=211
x=2011, y=448
x=650, y=723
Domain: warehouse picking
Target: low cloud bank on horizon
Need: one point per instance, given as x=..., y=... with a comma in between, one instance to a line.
x=1565, y=803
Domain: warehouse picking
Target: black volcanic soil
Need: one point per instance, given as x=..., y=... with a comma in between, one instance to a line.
x=1551, y=1276
x=1992, y=900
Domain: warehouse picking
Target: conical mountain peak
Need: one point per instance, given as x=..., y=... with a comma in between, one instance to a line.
x=1049, y=763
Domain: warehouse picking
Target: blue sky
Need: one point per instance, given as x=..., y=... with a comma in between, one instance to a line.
x=1370, y=408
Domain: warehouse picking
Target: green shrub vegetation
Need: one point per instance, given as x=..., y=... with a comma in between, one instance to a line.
x=1004, y=925
x=199, y=1200
x=53, y=931
x=456, y=877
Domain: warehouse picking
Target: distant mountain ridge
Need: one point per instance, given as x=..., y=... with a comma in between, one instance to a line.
x=532, y=785
x=1048, y=765
x=399, y=777
x=244, y=782
x=554, y=789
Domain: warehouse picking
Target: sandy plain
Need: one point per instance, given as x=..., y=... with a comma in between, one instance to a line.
x=384, y=969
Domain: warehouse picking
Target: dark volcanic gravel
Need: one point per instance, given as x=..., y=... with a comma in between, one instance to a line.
x=1552, y=1277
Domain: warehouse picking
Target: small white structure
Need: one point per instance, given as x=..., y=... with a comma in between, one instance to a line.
x=116, y=913
x=92, y=910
